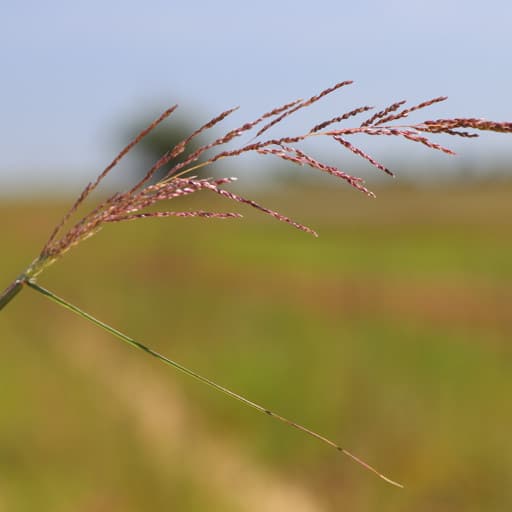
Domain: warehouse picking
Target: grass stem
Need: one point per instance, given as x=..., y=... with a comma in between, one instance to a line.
x=11, y=291
x=134, y=343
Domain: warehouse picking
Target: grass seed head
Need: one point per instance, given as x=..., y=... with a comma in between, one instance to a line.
x=133, y=204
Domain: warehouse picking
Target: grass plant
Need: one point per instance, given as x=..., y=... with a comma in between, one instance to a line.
x=138, y=201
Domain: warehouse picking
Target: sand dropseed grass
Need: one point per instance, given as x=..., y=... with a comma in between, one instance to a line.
x=138, y=201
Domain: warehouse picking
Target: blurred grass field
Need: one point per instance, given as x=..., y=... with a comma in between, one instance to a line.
x=390, y=333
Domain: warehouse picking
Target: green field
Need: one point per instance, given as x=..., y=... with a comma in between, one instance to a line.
x=390, y=334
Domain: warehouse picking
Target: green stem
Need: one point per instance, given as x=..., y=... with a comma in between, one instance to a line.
x=35, y=268
x=200, y=378
x=11, y=291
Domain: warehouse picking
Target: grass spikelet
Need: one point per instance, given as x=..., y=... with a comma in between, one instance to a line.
x=442, y=125
x=338, y=119
x=406, y=111
x=382, y=113
x=361, y=153
x=304, y=104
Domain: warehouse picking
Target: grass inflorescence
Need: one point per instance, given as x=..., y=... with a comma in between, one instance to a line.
x=138, y=201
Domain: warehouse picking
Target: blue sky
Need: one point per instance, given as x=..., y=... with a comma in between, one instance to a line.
x=74, y=73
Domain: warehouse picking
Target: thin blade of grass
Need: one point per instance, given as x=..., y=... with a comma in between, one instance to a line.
x=191, y=373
